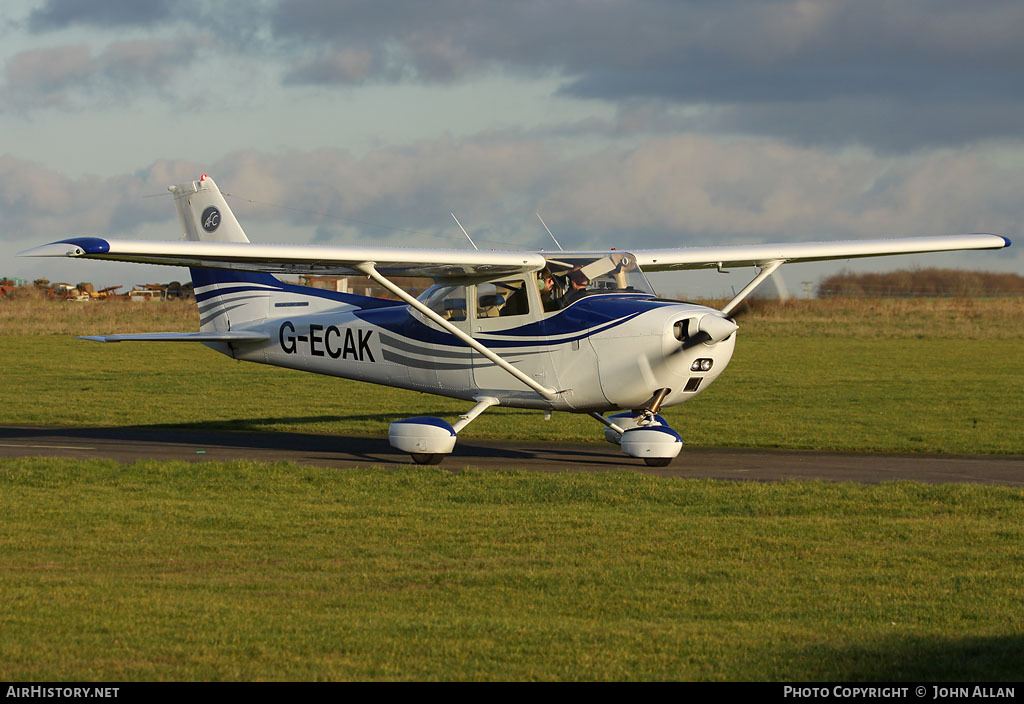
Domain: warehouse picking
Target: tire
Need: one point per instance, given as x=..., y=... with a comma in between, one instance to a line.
x=427, y=457
x=657, y=461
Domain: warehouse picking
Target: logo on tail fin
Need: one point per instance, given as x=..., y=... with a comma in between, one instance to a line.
x=211, y=219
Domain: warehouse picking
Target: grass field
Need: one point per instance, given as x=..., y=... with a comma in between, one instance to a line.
x=244, y=571
x=171, y=571
x=942, y=376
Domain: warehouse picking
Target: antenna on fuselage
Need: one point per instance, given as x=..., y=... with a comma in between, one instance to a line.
x=549, y=231
x=464, y=231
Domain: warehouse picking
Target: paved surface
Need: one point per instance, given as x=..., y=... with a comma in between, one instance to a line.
x=130, y=444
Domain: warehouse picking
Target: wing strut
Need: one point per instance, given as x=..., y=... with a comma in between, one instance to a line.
x=370, y=270
x=767, y=269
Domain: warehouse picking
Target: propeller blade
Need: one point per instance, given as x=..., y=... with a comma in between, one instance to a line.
x=695, y=340
x=711, y=328
x=718, y=327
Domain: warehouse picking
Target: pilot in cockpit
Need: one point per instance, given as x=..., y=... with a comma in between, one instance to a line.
x=550, y=292
x=578, y=283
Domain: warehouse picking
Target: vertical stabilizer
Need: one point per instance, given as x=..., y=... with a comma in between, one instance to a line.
x=204, y=214
x=225, y=297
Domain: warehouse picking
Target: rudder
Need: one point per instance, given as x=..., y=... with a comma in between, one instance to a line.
x=204, y=214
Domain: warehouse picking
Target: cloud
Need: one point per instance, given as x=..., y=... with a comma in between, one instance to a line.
x=58, y=14
x=888, y=126
x=908, y=70
x=670, y=191
x=896, y=77
x=65, y=75
x=38, y=204
x=44, y=72
x=342, y=66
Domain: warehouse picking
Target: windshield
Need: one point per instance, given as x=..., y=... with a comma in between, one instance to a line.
x=610, y=273
x=447, y=301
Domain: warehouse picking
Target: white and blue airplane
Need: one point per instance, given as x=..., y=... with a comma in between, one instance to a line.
x=582, y=332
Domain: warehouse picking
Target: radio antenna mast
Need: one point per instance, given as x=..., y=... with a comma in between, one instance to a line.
x=464, y=231
x=549, y=231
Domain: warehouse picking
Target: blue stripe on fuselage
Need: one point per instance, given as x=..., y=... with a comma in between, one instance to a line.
x=586, y=317
x=245, y=281
x=589, y=312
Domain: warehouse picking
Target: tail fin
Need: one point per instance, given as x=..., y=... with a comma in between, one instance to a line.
x=204, y=214
x=224, y=297
x=231, y=300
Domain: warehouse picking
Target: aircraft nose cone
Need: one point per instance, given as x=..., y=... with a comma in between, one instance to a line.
x=717, y=327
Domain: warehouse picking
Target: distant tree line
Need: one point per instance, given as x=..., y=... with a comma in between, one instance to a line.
x=921, y=282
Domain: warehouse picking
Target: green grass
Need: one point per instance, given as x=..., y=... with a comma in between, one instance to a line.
x=911, y=395
x=246, y=571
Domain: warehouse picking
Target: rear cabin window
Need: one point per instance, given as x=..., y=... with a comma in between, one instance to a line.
x=447, y=301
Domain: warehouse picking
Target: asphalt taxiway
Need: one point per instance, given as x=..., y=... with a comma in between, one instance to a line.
x=131, y=444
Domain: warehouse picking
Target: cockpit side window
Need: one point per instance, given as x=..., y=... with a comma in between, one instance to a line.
x=501, y=299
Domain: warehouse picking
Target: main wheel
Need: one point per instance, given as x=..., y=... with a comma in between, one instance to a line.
x=427, y=457
x=658, y=461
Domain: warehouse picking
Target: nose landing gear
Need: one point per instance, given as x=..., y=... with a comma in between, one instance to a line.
x=643, y=433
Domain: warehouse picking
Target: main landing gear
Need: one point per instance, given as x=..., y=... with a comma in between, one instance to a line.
x=643, y=433
x=429, y=440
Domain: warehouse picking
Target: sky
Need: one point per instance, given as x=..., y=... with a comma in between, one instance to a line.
x=641, y=124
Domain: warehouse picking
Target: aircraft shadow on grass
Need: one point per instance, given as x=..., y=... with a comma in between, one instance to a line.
x=245, y=433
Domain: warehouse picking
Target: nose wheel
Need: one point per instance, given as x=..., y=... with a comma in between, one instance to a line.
x=643, y=433
x=427, y=457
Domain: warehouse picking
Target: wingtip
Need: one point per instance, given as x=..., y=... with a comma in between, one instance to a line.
x=72, y=247
x=54, y=249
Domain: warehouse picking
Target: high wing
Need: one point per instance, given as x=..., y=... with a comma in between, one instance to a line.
x=460, y=264
x=298, y=259
x=762, y=254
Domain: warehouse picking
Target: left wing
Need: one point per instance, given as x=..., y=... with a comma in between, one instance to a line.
x=762, y=254
x=298, y=259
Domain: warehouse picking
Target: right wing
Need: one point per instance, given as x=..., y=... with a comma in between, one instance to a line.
x=762, y=254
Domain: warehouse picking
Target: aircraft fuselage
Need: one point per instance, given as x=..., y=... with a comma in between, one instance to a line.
x=604, y=352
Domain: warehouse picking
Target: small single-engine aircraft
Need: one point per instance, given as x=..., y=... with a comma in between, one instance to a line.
x=582, y=332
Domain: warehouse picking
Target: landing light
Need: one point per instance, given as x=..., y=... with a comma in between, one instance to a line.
x=701, y=365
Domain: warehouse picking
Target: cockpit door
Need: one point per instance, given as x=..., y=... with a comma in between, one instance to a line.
x=439, y=359
x=505, y=316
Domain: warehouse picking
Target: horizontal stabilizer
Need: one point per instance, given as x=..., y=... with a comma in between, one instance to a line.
x=227, y=336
